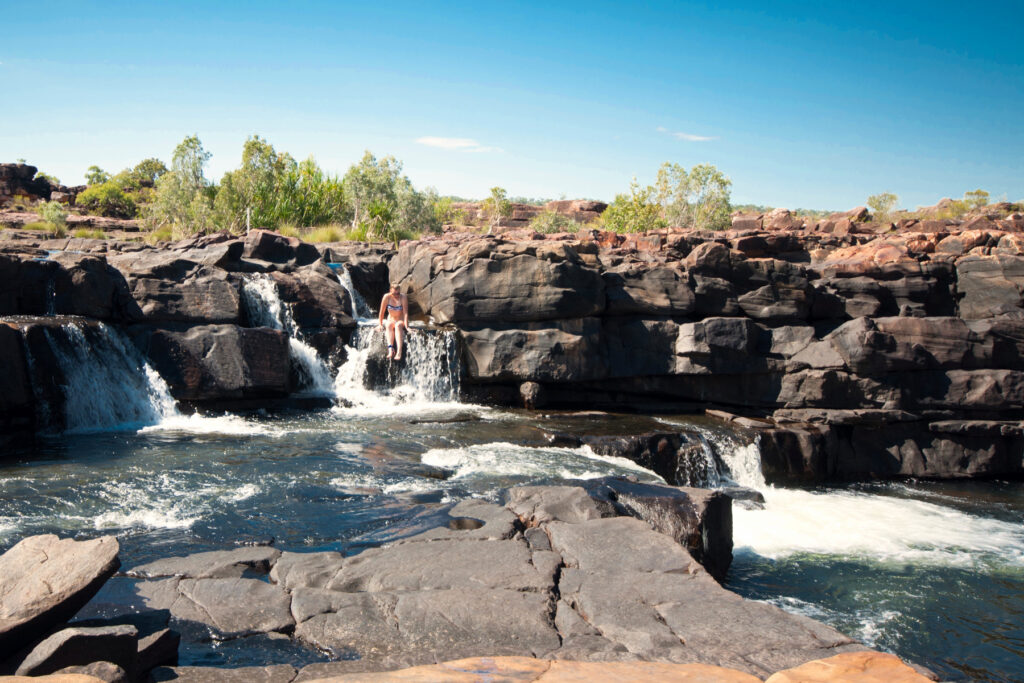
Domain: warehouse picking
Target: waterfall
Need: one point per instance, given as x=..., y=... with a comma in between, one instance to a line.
x=429, y=372
x=360, y=309
x=698, y=466
x=108, y=385
x=265, y=308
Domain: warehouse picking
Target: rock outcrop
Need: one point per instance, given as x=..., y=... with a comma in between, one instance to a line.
x=561, y=573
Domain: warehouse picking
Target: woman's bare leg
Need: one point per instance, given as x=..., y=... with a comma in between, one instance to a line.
x=400, y=335
x=391, y=340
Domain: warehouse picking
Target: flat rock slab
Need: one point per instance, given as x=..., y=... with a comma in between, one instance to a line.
x=852, y=667
x=217, y=564
x=234, y=607
x=423, y=626
x=537, y=504
x=281, y=673
x=619, y=544
x=443, y=565
x=45, y=580
x=80, y=646
x=524, y=669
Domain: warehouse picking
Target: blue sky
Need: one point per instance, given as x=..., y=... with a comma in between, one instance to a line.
x=800, y=104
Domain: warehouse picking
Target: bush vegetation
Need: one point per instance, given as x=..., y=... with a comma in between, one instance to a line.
x=698, y=199
x=550, y=222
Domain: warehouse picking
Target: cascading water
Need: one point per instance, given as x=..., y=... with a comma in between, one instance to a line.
x=360, y=309
x=108, y=385
x=429, y=372
x=265, y=308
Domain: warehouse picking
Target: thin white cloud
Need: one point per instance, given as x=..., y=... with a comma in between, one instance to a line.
x=457, y=144
x=689, y=137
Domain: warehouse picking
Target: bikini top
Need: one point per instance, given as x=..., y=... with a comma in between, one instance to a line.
x=394, y=307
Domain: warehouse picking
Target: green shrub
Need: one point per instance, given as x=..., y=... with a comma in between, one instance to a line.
x=84, y=233
x=633, y=212
x=107, y=199
x=549, y=222
x=54, y=213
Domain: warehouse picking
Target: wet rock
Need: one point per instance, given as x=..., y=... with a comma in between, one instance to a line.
x=80, y=646
x=532, y=394
x=213, y=362
x=637, y=547
x=668, y=454
x=158, y=649
x=216, y=564
x=234, y=607
x=471, y=520
x=45, y=580
x=315, y=297
x=17, y=400
x=700, y=520
x=280, y=673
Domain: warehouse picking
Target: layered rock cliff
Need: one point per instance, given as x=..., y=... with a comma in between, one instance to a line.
x=850, y=354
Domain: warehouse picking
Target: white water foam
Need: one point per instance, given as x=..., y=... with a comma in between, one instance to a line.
x=265, y=308
x=360, y=309
x=852, y=523
x=109, y=385
x=426, y=379
x=502, y=459
x=227, y=424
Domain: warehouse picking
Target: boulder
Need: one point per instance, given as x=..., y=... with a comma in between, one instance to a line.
x=315, y=298
x=538, y=504
x=46, y=580
x=699, y=520
x=565, y=350
x=215, y=362
x=80, y=646
x=215, y=564
x=284, y=251
x=521, y=287
x=676, y=457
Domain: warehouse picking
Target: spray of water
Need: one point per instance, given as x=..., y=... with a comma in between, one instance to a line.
x=265, y=308
x=360, y=309
x=108, y=384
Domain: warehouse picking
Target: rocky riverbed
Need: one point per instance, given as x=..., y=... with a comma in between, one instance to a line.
x=817, y=356
x=558, y=573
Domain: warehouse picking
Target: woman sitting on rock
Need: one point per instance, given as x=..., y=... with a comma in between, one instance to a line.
x=396, y=305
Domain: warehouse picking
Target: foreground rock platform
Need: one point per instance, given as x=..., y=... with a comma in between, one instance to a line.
x=556, y=574
x=866, y=667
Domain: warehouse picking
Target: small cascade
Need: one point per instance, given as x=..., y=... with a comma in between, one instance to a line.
x=697, y=464
x=107, y=384
x=265, y=308
x=429, y=372
x=360, y=309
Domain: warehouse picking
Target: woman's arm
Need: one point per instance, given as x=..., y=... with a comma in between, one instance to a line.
x=383, y=310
